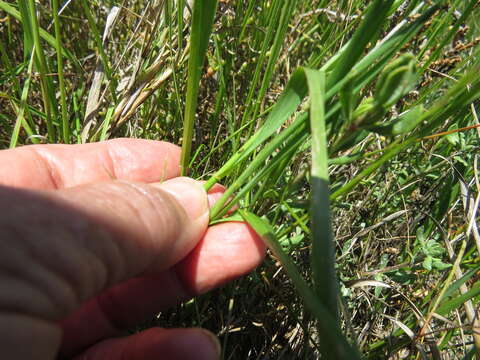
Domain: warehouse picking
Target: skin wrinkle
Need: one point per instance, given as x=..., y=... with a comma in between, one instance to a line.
x=155, y=200
x=54, y=176
x=107, y=252
x=81, y=228
x=31, y=337
x=94, y=273
x=114, y=213
x=25, y=290
x=116, y=155
x=63, y=270
x=61, y=289
x=38, y=273
x=109, y=162
x=130, y=164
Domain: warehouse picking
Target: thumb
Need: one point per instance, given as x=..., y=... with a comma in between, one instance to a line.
x=81, y=240
x=60, y=248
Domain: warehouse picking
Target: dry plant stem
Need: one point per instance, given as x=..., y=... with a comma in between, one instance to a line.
x=472, y=231
x=94, y=100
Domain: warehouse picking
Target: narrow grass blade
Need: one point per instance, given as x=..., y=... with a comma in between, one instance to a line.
x=462, y=94
x=10, y=10
x=458, y=301
x=287, y=11
x=202, y=23
x=31, y=27
x=366, y=33
x=329, y=333
x=23, y=105
x=323, y=246
x=292, y=139
x=61, y=78
x=291, y=98
x=297, y=89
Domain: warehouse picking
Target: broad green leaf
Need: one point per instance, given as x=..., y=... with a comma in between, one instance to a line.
x=427, y=263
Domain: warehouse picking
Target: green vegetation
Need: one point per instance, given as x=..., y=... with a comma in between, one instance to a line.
x=346, y=132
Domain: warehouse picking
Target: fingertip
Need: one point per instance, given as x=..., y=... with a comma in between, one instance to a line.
x=227, y=251
x=190, y=194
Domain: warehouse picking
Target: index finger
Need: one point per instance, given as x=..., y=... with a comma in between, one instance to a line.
x=60, y=166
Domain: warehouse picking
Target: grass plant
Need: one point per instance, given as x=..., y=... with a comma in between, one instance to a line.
x=345, y=132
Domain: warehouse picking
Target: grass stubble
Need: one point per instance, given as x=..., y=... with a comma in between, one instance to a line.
x=346, y=132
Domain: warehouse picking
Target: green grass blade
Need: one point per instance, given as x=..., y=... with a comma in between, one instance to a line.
x=291, y=98
x=293, y=138
x=329, y=332
x=275, y=11
x=23, y=105
x=31, y=27
x=296, y=90
x=463, y=93
x=202, y=23
x=280, y=32
x=180, y=24
x=61, y=78
x=298, y=127
x=10, y=10
x=323, y=246
x=458, y=301
x=366, y=33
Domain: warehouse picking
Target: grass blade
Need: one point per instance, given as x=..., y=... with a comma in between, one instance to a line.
x=323, y=246
x=23, y=105
x=202, y=23
x=31, y=26
x=10, y=10
x=367, y=32
x=287, y=11
x=329, y=332
x=291, y=98
x=61, y=78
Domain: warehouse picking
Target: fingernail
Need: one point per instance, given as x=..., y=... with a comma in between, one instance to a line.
x=189, y=193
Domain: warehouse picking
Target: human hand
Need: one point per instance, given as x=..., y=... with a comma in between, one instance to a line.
x=83, y=256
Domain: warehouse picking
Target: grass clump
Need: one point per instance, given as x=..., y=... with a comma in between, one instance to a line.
x=345, y=131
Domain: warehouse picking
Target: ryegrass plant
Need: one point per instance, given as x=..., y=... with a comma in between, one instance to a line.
x=346, y=133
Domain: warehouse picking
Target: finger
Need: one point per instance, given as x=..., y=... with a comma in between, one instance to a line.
x=158, y=344
x=92, y=237
x=226, y=251
x=60, y=166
